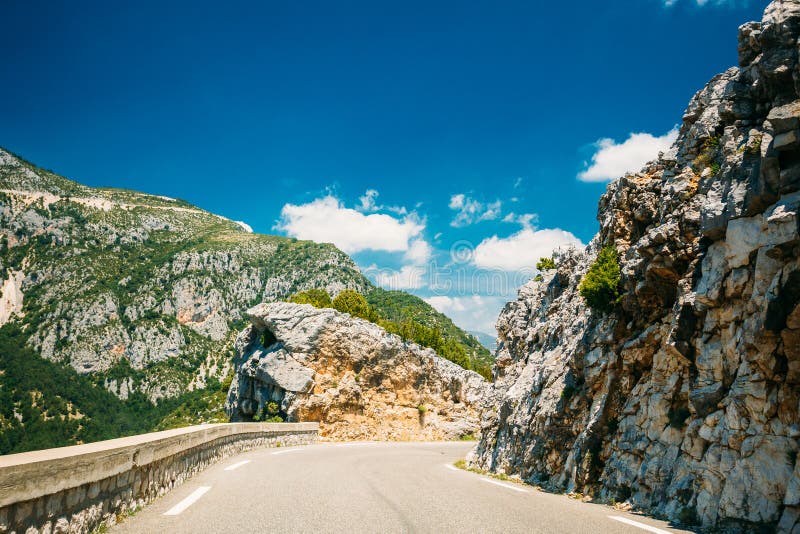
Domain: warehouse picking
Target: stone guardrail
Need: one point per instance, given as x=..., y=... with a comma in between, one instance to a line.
x=82, y=487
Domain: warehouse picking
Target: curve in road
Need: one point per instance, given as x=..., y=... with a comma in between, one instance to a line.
x=369, y=487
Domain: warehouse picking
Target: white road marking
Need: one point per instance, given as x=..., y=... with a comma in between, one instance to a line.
x=452, y=467
x=188, y=501
x=286, y=450
x=504, y=485
x=237, y=465
x=637, y=524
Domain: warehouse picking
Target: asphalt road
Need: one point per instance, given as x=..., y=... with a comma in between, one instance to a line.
x=368, y=487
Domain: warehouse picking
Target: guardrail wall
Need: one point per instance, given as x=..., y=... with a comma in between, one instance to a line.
x=80, y=488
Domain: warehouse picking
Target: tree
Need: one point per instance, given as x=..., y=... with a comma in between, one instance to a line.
x=352, y=302
x=545, y=264
x=600, y=287
x=318, y=298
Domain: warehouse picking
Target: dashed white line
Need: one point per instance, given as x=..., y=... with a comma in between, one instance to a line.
x=188, y=501
x=638, y=525
x=237, y=465
x=286, y=450
x=504, y=485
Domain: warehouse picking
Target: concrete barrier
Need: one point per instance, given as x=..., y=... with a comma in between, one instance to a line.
x=81, y=488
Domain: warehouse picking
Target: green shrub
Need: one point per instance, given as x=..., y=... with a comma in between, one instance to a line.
x=707, y=155
x=272, y=408
x=354, y=303
x=600, y=287
x=318, y=298
x=545, y=264
x=422, y=408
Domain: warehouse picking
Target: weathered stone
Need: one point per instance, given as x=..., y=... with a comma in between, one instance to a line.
x=357, y=380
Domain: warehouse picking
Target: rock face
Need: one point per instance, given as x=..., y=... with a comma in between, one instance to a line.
x=352, y=376
x=685, y=400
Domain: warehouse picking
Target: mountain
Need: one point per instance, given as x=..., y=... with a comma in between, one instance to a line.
x=660, y=367
x=142, y=296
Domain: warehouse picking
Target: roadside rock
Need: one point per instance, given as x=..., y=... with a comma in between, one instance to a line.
x=357, y=380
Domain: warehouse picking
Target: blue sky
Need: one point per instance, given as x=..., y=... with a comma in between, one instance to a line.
x=484, y=131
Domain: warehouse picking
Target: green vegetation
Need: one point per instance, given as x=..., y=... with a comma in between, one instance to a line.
x=600, y=287
x=45, y=404
x=413, y=320
x=318, y=298
x=707, y=156
x=270, y=413
x=462, y=464
x=545, y=264
x=422, y=408
x=354, y=303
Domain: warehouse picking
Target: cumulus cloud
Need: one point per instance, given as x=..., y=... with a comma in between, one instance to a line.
x=419, y=252
x=524, y=219
x=408, y=277
x=523, y=249
x=612, y=159
x=367, y=202
x=470, y=211
x=327, y=220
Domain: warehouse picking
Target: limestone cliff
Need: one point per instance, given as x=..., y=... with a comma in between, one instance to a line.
x=357, y=380
x=685, y=399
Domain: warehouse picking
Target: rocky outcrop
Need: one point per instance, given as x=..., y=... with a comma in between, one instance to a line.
x=684, y=400
x=350, y=375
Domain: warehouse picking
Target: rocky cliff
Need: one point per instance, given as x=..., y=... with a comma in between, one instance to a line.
x=684, y=399
x=357, y=380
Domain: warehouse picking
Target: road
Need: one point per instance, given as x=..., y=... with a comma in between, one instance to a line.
x=368, y=487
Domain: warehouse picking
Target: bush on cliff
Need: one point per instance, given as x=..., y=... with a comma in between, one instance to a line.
x=600, y=287
x=318, y=298
x=545, y=264
x=354, y=303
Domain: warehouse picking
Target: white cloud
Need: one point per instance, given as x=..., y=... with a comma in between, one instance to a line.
x=613, y=160
x=368, y=201
x=523, y=249
x=419, y=253
x=475, y=313
x=408, y=277
x=524, y=219
x=470, y=211
x=327, y=220
x=245, y=226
